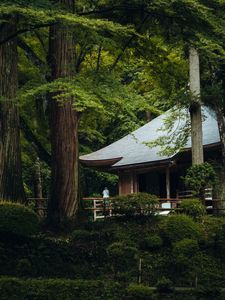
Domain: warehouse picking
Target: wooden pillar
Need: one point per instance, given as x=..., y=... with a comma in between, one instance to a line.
x=167, y=182
x=120, y=184
x=132, y=183
x=136, y=188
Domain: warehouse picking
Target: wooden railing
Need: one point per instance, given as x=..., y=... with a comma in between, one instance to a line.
x=99, y=210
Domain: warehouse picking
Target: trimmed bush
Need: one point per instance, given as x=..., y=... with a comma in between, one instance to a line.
x=152, y=242
x=186, y=247
x=24, y=267
x=17, y=219
x=58, y=289
x=165, y=285
x=135, y=204
x=122, y=256
x=208, y=292
x=140, y=292
x=193, y=208
x=178, y=227
x=80, y=235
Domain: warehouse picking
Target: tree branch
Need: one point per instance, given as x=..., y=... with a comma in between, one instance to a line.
x=40, y=38
x=31, y=54
x=128, y=43
x=24, y=30
x=38, y=147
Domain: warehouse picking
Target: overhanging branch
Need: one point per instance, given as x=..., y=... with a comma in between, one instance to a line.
x=38, y=147
x=24, y=30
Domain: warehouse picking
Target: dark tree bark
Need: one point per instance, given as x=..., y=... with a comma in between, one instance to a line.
x=63, y=202
x=11, y=185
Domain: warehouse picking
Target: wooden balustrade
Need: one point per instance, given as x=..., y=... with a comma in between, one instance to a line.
x=99, y=210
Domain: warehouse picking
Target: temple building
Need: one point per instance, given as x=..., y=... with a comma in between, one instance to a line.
x=142, y=169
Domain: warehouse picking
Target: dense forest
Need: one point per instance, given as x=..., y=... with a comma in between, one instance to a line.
x=76, y=76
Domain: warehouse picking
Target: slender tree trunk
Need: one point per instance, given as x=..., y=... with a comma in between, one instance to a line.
x=195, y=108
x=11, y=185
x=148, y=115
x=63, y=202
x=38, y=195
x=221, y=126
x=37, y=180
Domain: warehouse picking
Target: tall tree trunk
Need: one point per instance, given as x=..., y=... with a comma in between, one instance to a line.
x=195, y=108
x=11, y=185
x=63, y=202
x=221, y=126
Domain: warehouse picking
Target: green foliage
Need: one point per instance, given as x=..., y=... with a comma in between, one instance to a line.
x=24, y=268
x=193, y=208
x=135, y=204
x=80, y=234
x=17, y=219
x=123, y=257
x=175, y=132
x=209, y=292
x=58, y=289
x=139, y=292
x=186, y=247
x=152, y=242
x=215, y=232
x=199, y=177
x=35, y=15
x=164, y=285
x=178, y=227
x=84, y=235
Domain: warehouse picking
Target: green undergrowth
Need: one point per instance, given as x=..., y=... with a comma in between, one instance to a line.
x=164, y=252
x=67, y=289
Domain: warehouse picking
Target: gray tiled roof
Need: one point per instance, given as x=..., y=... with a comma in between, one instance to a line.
x=132, y=148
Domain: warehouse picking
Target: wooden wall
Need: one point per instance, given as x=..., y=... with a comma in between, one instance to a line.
x=128, y=183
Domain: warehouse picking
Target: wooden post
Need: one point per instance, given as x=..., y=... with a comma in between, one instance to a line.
x=139, y=271
x=168, y=183
x=132, y=183
x=120, y=183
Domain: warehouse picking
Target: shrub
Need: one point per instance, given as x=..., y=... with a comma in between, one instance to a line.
x=17, y=219
x=208, y=292
x=135, y=204
x=164, y=285
x=122, y=256
x=152, y=242
x=80, y=235
x=177, y=227
x=24, y=267
x=58, y=289
x=140, y=292
x=199, y=177
x=186, y=247
x=193, y=208
x=215, y=231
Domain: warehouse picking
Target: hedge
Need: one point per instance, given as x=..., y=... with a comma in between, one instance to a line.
x=58, y=289
x=17, y=219
x=67, y=289
x=137, y=204
x=178, y=227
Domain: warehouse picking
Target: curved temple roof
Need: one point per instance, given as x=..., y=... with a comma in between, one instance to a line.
x=132, y=149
